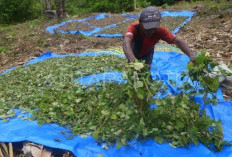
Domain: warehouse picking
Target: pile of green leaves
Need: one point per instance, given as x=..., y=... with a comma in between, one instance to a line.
x=109, y=112
x=28, y=86
x=200, y=73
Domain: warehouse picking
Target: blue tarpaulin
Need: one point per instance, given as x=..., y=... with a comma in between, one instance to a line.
x=102, y=77
x=96, y=31
x=166, y=66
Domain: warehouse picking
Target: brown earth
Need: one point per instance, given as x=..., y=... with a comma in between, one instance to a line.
x=107, y=21
x=120, y=28
x=210, y=29
x=172, y=22
x=74, y=26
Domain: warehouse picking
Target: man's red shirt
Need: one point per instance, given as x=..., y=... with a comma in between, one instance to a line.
x=145, y=44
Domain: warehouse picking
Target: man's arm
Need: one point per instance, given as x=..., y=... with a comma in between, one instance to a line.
x=128, y=49
x=184, y=47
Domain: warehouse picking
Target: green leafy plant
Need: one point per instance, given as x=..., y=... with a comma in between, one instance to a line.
x=2, y=49
x=113, y=112
x=18, y=10
x=200, y=75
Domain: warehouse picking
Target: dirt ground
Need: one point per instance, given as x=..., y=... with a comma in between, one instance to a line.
x=74, y=26
x=210, y=29
x=106, y=21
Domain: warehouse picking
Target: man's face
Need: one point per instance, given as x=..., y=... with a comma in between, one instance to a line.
x=148, y=32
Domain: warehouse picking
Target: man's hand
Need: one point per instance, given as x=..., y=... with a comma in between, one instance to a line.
x=192, y=59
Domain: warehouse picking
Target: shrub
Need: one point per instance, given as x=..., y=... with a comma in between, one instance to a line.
x=18, y=10
x=109, y=6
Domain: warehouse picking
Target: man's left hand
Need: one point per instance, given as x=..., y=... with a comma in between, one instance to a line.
x=192, y=59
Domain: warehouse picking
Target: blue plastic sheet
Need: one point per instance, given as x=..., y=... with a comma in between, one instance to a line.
x=102, y=77
x=96, y=31
x=165, y=67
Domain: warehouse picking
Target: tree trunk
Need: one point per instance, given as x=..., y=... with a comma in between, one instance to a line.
x=60, y=9
x=42, y=7
x=48, y=4
x=134, y=4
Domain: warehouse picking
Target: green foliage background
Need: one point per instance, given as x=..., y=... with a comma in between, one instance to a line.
x=12, y=11
x=19, y=10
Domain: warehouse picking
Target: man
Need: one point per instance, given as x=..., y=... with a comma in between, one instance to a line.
x=141, y=37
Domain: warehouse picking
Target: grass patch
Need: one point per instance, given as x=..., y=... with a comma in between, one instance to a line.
x=2, y=49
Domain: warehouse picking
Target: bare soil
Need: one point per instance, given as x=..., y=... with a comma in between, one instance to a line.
x=172, y=22
x=74, y=26
x=107, y=21
x=120, y=28
x=211, y=34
